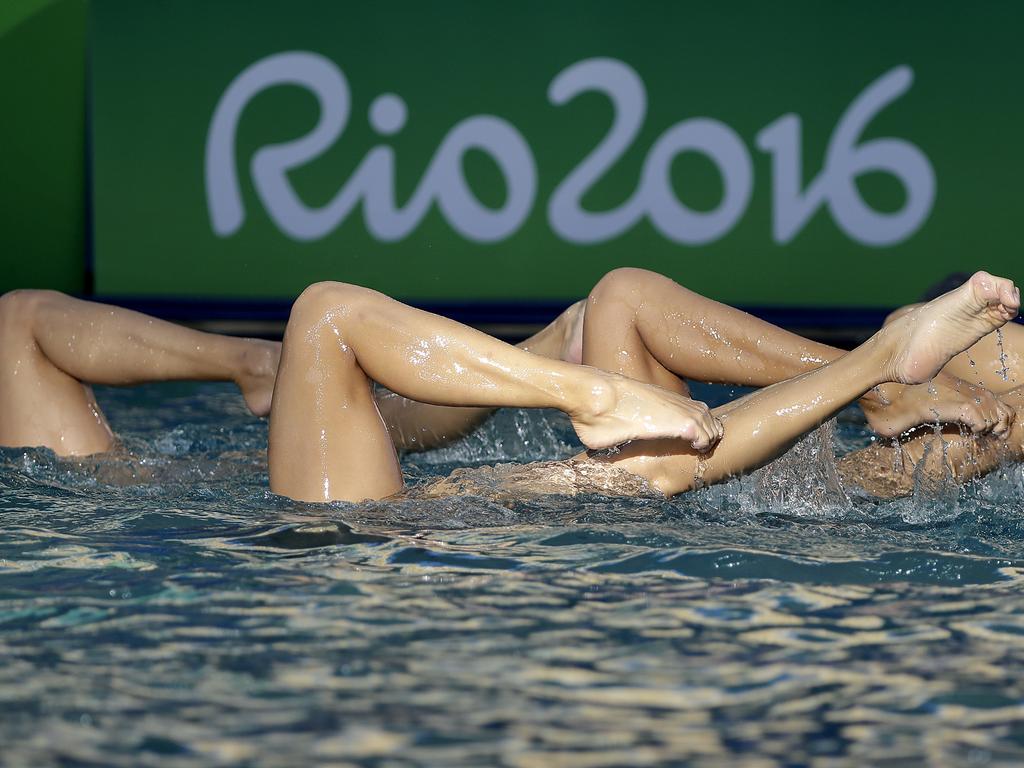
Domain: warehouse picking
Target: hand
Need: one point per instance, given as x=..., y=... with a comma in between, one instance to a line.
x=894, y=408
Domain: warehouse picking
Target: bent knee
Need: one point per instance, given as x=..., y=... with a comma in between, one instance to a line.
x=624, y=283
x=327, y=296
x=620, y=291
x=330, y=302
x=19, y=308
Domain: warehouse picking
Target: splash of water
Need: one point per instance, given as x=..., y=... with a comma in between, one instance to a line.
x=897, y=457
x=936, y=491
x=1002, y=371
x=805, y=480
x=509, y=435
x=698, y=472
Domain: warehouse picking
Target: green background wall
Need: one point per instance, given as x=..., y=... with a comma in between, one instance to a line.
x=42, y=133
x=158, y=69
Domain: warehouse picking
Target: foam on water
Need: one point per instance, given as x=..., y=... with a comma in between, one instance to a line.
x=162, y=607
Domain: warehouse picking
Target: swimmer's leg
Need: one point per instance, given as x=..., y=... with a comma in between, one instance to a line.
x=420, y=426
x=644, y=325
x=759, y=427
x=52, y=346
x=327, y=439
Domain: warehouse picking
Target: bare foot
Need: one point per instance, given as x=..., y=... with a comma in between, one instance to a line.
x=258, y=371
x=931, y=334
x=624, y=409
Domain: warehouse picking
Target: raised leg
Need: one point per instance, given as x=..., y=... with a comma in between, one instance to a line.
x=420, y=426
x=909, y=350
x=655, y=330
x=53, y=346
x=646, y=318
x=327, y=439
x=644, y=325
x=965, y=392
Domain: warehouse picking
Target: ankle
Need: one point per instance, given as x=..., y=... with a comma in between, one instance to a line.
x=257, y=359
x=886, y=352
x=595, y=397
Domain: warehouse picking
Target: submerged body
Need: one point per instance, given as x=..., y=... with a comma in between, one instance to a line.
x=884, y=469
x=889, y=470
x=572, y=477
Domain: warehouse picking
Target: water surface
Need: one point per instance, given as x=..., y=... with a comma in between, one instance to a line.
x=166, y=609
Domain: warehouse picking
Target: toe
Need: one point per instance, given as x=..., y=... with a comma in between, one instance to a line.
x=1009, y=295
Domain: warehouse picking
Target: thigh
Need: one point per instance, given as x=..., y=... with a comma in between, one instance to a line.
x=612, y=339
x=40, y=405
x=416, y=426
x=327, y=439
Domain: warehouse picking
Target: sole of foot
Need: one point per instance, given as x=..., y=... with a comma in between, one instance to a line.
x=934, y=332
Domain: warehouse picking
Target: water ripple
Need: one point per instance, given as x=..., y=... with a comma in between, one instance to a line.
x=161, y=607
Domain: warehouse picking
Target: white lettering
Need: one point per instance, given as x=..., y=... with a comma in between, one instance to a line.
x=626, y=91
x=307, y=70
x=373, y=180
x=844, y=161
x=444, y=181
x=655, y=196
x=720, y=144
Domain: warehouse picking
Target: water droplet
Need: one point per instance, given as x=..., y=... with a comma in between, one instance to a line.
x=1003, y=372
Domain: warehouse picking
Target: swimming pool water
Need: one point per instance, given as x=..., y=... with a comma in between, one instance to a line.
x=168, y=610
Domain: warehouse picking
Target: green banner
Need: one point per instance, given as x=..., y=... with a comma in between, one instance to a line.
x=796, y=154
x=42, y=135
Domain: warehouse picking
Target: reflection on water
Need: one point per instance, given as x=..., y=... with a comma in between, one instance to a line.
x=163, y=608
